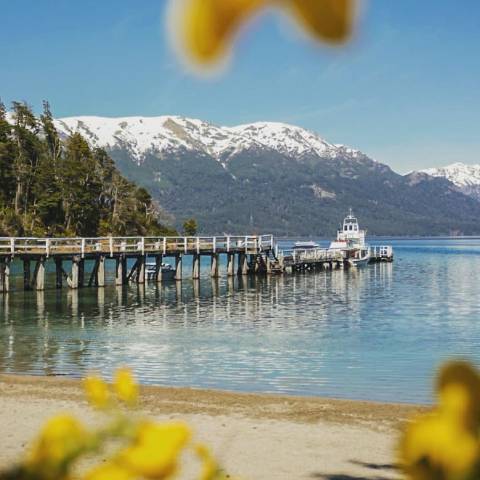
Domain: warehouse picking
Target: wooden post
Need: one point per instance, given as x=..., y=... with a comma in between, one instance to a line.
x=178, y=267
x=242, y=264
x=254, y=266
x=5, y=275
x=196, y=266
x=26, y=275
x=81, y=272
x=214, y=266
x=230, y=264
x=74, y=277
x=141, y=269
x=121, y=270
x=268, y=264
x=158, y=268
x=58, y=272
x=38, y=280
x=100, y=275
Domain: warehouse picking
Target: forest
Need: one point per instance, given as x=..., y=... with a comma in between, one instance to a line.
x=53, y=186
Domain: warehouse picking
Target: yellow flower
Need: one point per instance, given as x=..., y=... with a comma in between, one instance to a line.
x=97, y=392
x=155, y=449
x=62, y=438
x=108, y=471
x=458, y=388
x=125, y=386
x=209, y=465
x=204, y=29
x=434, y=446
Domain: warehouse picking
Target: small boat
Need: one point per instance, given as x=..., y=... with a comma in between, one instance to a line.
x=351, y=242
x=168, y=272
x=305, y=245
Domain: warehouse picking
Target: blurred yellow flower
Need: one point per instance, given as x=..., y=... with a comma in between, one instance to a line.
x=108, y=471
x=204, y=29
x=433, y=444
x=125, y=386
x=62, y=438
x=155, y=449
x=97, y=392
x=209, y=465
x=458, y=389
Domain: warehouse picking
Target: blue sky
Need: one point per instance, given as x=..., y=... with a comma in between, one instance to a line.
x=405, y=91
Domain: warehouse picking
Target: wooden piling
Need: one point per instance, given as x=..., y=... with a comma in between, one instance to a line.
x=5, y=275
x=178, y=267
x=214, y=267
x=74, y=276
x=58, y=272
x=120, y=271
x=230, y=264
x=26, y=275
x=268, y=265
x=141, y=270
x=158, y=268
x=242, y=264
x=100, y=271
x=81, y=273
x=38, y=279
x=196, y=266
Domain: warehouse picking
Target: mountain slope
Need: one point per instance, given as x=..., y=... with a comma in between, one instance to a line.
x=465, y=177
x=272, y=177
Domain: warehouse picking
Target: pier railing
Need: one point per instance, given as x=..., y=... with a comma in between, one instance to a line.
x=381, y=252
x=312, y=255
x=11, y=246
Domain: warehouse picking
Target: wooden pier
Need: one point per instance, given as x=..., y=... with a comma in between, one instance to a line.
x=257, y=254
x=250, y=254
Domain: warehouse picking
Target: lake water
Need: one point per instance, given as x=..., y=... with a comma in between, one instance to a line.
x=376, y=333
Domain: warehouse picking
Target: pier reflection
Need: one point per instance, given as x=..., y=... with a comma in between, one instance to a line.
x=340, y=332
x=66, y=332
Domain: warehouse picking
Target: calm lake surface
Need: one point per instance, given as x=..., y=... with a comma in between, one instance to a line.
x=377, y=333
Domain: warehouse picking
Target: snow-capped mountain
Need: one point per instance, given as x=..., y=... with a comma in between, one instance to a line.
x=279, y=178
x=465, y=177
x=165, y=134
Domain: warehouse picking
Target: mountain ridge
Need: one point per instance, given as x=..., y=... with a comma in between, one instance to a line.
x=269, y=176
x=156, y=135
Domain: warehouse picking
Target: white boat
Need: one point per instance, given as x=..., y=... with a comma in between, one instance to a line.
x=309, y=245
x=351, y=242
x=168, y=272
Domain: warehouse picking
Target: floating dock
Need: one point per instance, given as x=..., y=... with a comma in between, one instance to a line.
x=256, y=254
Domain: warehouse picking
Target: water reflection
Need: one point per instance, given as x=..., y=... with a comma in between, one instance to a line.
x=371, y=333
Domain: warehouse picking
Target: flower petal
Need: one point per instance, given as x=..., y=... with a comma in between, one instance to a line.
x=205, y=28
x=328, y=20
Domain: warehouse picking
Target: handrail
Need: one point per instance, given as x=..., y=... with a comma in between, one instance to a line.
x=110, y=245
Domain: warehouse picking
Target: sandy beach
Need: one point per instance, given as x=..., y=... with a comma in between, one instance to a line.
x=255, y=436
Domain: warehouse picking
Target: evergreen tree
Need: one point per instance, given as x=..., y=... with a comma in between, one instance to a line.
x=53, y=187
x=190, y=227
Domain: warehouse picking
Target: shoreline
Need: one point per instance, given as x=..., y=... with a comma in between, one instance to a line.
x=254, y=436
x=180, y=399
